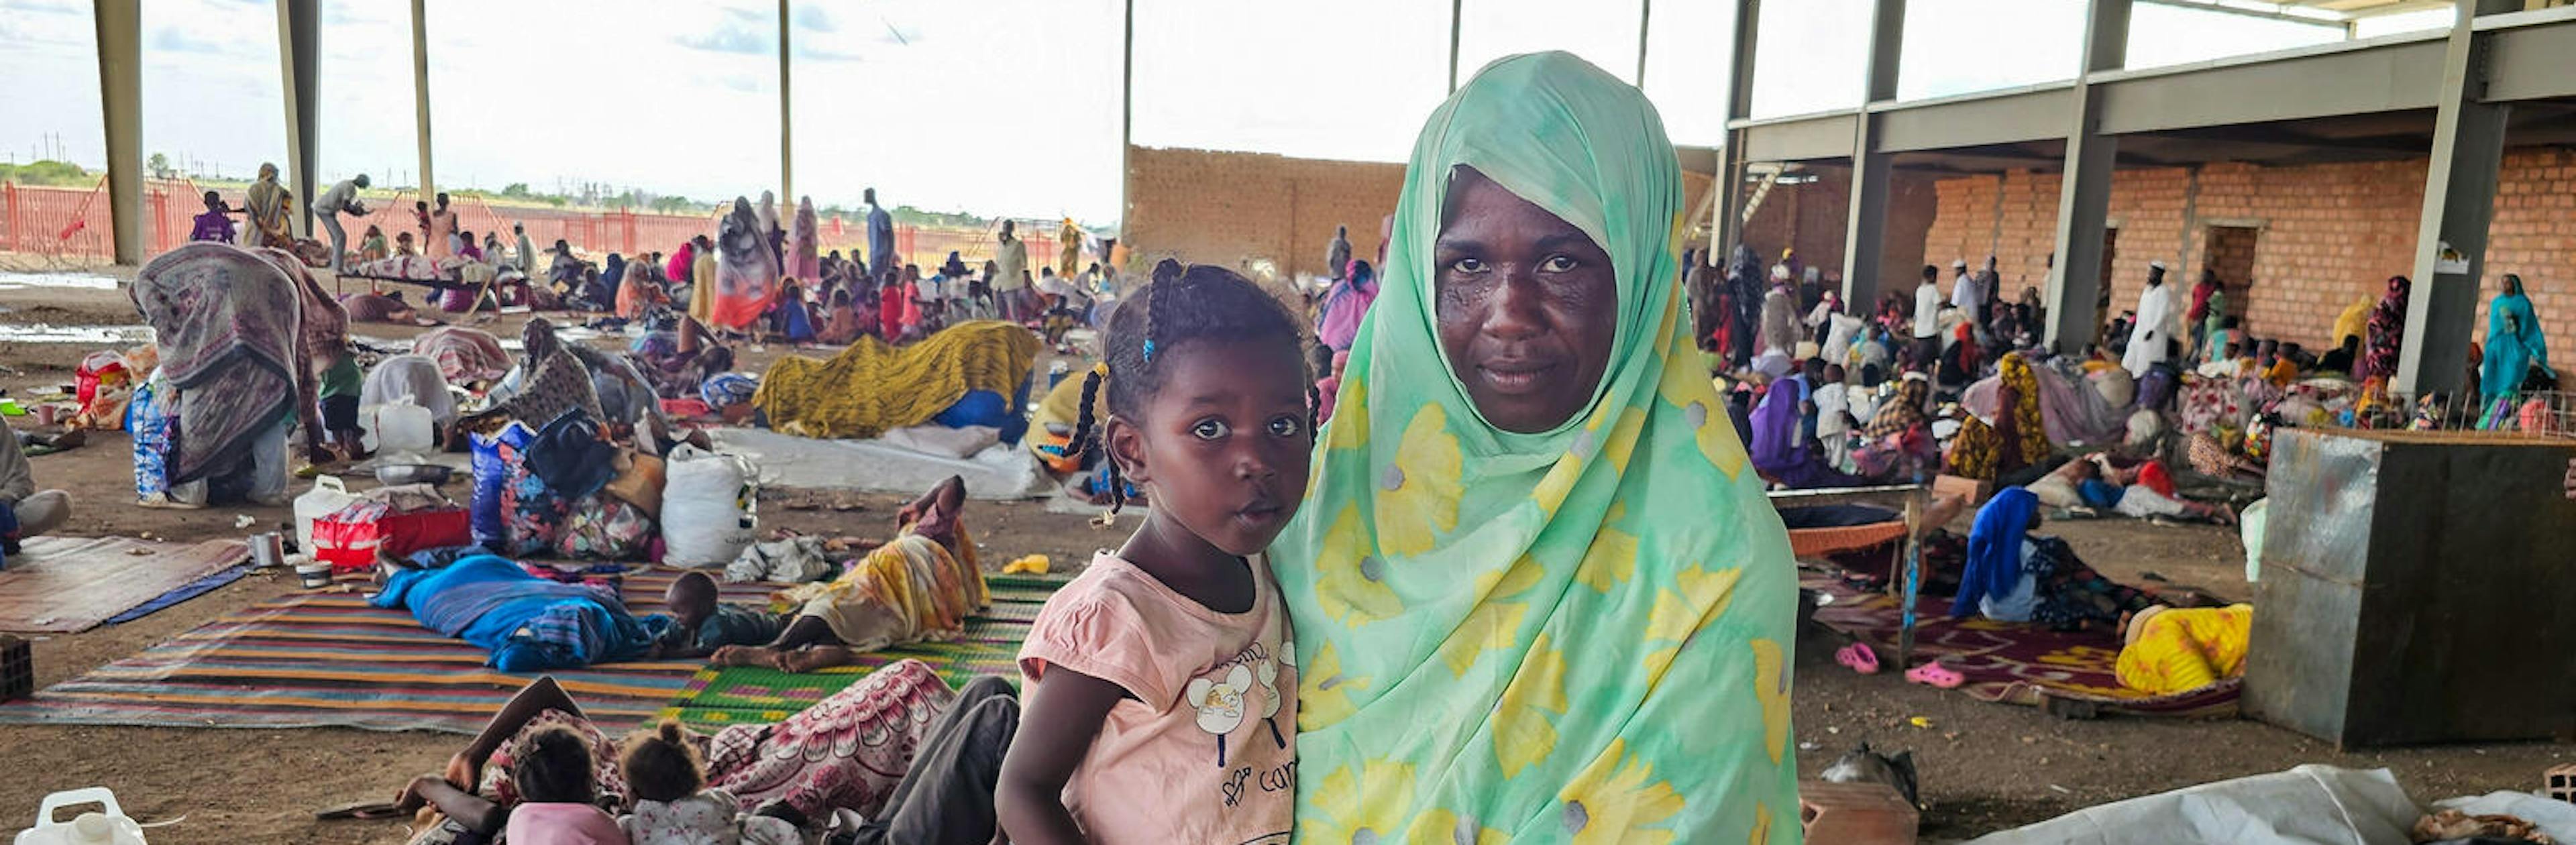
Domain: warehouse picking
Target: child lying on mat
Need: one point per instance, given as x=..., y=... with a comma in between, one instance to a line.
x=919, y=587
x=701, y=625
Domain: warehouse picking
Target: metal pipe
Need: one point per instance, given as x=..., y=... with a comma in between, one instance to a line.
x=1456, y=9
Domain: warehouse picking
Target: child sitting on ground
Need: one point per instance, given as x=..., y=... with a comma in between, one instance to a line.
x=701, y=624
x=558, y=792
x=1177, y=641
x=673, y=805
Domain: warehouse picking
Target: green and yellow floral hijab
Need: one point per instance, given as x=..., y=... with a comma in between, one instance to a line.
x=1581, y=635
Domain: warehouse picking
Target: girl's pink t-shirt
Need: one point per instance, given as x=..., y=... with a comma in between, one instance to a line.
x=562, y=824
x=1205, y=749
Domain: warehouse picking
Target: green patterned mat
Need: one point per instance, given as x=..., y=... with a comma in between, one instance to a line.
x=732, y=695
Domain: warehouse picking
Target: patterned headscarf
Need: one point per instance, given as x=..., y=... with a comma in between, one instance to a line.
x=1553, y=635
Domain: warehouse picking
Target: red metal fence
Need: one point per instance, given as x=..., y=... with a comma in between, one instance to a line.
x=74, y=225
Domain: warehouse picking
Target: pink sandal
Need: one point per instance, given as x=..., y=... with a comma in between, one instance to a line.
x=1934, y=674
x=1859, y=657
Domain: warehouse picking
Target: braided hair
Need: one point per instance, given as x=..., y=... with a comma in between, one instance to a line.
x=1200, y=302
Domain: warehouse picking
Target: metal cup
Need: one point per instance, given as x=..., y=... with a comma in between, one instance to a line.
x=267, y=548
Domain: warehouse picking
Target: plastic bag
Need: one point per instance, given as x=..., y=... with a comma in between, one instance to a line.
x=707, y=516
x=490, y=474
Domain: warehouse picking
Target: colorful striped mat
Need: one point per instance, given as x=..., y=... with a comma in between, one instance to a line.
x=329, y=660
x=727, y=695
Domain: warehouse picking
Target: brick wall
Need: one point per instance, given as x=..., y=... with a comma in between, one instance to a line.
x=1230, y=208
x=1811, y=217
x=2326, y=235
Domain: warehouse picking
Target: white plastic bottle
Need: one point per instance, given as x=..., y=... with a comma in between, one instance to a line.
x=93, y=828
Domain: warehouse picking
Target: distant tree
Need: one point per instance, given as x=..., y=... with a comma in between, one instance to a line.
x=47, y=172
x=159, y=165
x=515, y=190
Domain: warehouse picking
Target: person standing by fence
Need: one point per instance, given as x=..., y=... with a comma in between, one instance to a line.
x=216, y=224
x=880, y=238
x=1011, y=278
x=266, y=202
x=342, y=197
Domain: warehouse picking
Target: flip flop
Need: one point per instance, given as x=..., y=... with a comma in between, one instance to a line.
x=1859, y=657
x=1935, y=674
x=362, y=811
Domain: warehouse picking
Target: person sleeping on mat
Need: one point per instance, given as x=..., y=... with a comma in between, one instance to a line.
x=529, y=624
x=919, y=587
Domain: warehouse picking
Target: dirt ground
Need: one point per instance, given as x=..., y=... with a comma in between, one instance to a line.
x=1984, y=766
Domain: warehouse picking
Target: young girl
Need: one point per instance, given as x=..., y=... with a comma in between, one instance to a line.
x=673, y=805
x=1162, y=690
x=558, y=790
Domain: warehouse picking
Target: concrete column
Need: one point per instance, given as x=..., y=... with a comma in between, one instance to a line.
x=2459, y=199
x=1729, y=225
x=420, y=94
x=2075, y=280
x=298, y=49
x=786, y=119
x=120, y=99
x=1864, y=236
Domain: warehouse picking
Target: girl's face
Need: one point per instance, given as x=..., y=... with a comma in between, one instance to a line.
x=1224, y=443
x=1527, y=306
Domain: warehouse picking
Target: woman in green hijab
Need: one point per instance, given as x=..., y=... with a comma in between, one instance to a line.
x=1538, y=597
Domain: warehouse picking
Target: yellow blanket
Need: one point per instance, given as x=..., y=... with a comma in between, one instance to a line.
x=906, y=591
x=2182, y=650
x=871, y=388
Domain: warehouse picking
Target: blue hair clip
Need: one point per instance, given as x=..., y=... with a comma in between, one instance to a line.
x=1149, y=351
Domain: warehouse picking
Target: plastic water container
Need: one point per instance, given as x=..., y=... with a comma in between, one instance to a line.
x=94, y=828
x=403, y=429
x=327, y=496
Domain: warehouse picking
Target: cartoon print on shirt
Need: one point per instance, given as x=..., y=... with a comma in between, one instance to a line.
x=1220, y=704
x=1269, y=675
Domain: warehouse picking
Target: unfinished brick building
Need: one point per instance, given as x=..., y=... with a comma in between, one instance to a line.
x=2308, y=175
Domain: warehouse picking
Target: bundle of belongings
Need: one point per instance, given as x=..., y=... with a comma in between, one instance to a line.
x=971, y=374
x=2228, y=420
x=393, y=521
x=105, y=381
x=564, y=490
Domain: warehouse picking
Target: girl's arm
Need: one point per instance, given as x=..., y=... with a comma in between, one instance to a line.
x=1029, y=799
x=475, y=813
x=537, y=698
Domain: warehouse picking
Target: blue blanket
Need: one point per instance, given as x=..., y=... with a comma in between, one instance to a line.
x=529, y=624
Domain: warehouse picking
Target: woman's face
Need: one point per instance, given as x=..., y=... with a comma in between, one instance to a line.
x=1527, y=306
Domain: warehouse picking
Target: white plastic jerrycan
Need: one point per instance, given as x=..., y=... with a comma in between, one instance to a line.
x=93, y=828
x=403, y=429
x=327, y=496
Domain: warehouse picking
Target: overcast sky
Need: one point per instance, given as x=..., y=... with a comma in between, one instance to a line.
x=992, y=106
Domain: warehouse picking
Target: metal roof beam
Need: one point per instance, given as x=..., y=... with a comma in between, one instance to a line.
x=2240, y=11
